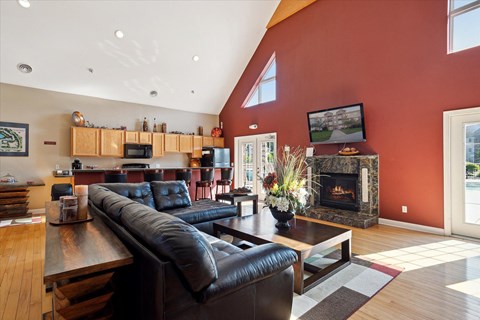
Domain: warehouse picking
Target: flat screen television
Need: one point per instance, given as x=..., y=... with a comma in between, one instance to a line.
x=337, y=125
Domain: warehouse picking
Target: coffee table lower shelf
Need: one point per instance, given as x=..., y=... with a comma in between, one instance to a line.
x=306, y=238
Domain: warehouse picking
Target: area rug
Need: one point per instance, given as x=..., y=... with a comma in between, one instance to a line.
x=19, y=221
x=343, y=293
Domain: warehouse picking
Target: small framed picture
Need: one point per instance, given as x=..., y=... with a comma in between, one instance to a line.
x=13, y=139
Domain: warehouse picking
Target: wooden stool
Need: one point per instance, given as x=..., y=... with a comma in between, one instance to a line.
x=153, y=175
x=207, y=176
x=115, y=177
x=226, y=180
x=185, y=175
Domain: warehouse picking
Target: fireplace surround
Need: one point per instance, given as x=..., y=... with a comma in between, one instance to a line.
x=365, y=212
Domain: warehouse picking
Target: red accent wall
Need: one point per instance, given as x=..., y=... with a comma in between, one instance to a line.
x=390, y=55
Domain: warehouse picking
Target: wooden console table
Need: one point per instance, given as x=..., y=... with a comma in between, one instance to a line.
x=14, y=198
x=80, y=260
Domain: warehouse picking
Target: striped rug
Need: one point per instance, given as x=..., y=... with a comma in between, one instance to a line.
x=343, y=293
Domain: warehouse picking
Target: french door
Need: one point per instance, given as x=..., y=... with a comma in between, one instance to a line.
x=254, y=158
x=462, y=171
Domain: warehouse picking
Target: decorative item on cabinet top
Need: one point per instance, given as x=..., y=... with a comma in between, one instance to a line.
x=78, y=119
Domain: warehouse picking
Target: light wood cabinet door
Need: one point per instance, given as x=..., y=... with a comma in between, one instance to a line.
x=111, y=143
x=208, y=141
x=131, y=136
x=145, y=137
x=218, y=142
x=197, y=146
x=172, y=142
x=84, y=142
x=158, y=144
x=186, y=143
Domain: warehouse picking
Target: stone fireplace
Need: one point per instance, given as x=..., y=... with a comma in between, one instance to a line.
x=339, y=190
x=346, y=189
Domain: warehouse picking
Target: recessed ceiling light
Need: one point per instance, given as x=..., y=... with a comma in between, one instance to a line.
x=195, y=58
x=25, y=68
x=153, y=93
x=24, y=3
x=119, y=34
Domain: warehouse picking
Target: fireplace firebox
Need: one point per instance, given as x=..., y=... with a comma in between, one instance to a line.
x=339, y=190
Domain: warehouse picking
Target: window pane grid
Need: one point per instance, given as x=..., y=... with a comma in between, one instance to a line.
x=266, y=87
x=464, y=25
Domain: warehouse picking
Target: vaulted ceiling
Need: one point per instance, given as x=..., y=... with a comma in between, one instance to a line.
x=71, y=48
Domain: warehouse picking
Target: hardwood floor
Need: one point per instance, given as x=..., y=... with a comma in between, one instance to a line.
x=441, y=279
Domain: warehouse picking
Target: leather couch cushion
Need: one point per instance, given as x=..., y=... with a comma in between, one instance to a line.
x=110, y=202
x=139, y=192
x=172, y=238
x=170, y=194
x=204, y=210
x=221, y=249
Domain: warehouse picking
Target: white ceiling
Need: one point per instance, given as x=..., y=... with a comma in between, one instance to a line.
x=61, y=40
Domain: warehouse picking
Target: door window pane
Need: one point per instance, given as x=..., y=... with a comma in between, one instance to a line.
x=472, y=173
x=247, y=165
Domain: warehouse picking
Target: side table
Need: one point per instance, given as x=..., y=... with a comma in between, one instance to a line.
x=80, y=261
x=236, y=198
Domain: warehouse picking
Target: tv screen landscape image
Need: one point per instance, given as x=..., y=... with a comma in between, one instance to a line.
x=337, y=125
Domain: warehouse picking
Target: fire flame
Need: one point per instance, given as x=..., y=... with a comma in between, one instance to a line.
x=339, y=191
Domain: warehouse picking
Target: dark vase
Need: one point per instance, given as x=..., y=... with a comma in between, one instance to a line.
x=283, y=217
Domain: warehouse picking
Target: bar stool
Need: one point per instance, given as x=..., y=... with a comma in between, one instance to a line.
x=153, y=175
x=115, y=177
x=61, y=189
x=185, y=175
x=207, y=176
x=225, y=180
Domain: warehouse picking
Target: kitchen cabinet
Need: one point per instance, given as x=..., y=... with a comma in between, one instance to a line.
x=218, y=142
x=197, y=146
x=145, y=137
x=84, y=142
x=185, y=143
x=111, y=143
x=207, y=141
x=172, y=142
x=138, y=137
x=158, y=144
x=131, y=136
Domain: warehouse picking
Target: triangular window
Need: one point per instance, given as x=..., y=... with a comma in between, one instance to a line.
x=265, y=88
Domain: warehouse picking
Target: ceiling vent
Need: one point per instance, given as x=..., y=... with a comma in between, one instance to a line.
x=24, y=68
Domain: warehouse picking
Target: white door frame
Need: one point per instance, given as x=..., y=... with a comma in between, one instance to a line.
x=236, y=146
x=447, y=163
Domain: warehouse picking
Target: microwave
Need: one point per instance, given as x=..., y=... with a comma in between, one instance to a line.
x=137, y=151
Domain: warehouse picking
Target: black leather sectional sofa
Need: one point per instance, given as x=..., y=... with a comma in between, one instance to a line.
x=180, y=272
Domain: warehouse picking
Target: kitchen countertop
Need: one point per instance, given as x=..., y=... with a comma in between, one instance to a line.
x=139, y=169
x=22, y=184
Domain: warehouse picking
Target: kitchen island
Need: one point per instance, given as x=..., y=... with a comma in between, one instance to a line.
x=135, y=175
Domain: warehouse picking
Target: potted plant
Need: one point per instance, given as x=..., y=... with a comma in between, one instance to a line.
x=285, y=186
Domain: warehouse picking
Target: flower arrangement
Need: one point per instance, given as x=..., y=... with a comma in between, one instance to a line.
x=285, y=185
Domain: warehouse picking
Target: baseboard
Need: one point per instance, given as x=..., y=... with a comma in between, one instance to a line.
x=37, y=211
x=411, y=226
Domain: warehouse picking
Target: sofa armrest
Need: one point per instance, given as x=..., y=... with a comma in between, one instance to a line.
x=247, y=267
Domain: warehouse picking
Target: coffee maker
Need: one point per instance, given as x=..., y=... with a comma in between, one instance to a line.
x=76, y=164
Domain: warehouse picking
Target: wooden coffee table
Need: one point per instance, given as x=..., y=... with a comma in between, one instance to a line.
x=306, y=238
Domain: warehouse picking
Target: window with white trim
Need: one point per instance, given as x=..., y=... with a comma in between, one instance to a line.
x=265, y=88
x=464, y=24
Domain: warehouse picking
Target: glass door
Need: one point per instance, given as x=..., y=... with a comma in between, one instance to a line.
x=462, y=161
x=254, y=157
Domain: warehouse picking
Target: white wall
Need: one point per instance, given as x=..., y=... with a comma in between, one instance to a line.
x=49, y=115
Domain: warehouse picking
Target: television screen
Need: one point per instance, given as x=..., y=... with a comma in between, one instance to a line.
x=337, y=125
